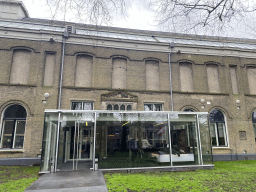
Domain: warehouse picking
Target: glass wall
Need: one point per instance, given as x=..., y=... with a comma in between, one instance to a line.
x=206, y=147
x=75, y=143
x=124, y=139
x=49, y=142
x=184, y=139
x=132, y=140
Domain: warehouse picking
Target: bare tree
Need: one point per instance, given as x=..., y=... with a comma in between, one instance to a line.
x=202, y=15
x=211, y=17
x=88, y=11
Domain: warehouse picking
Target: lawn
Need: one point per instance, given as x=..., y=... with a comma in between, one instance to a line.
x=17, y=178
x=226, y=176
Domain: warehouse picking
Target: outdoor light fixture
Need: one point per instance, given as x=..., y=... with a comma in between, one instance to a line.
x=46, y=95
x=237, y=102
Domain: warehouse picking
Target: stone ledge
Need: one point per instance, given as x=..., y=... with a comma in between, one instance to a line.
x=159, y=169
x=233, y=157
x=17, y=85
x=20, y=161
x=219, y=148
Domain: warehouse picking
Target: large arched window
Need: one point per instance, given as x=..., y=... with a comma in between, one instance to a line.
x=218, y=129
x=254, y=123
x=188, y=110
x=13, y=127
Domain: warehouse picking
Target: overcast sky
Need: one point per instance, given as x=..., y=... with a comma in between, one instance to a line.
x=139, y=17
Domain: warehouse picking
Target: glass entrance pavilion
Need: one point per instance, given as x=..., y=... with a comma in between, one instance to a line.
x=117, y=140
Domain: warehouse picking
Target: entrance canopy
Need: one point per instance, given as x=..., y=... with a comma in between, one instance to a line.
x=80, y=140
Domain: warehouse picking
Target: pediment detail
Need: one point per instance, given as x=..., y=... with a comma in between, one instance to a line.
x=119, y=96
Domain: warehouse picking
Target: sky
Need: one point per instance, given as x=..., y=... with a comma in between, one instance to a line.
x=140, y=17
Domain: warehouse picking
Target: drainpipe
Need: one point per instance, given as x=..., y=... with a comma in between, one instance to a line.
x=170, y=70
x=65, y=35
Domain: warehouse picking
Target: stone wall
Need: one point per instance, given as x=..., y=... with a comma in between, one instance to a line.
x=30, y=94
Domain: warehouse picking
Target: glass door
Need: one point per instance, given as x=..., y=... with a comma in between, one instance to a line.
x=85, y=143
x=79, y=140
x=78, y=145
x=49, y=147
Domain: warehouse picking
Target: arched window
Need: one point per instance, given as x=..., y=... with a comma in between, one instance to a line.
x=254, y=123
x=188, y=110
x=122, y=108
x=129, y=107
x=116, y=107
x=218, y=129
x=109, y=107
x=13, y=127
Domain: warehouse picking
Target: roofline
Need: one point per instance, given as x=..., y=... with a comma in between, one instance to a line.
x=142, y=32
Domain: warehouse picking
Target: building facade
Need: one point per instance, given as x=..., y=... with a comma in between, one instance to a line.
x=49, y=64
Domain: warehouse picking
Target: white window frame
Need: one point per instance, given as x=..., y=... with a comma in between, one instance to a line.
x=225, y=132
x=254, y=129
x=254, y=125
x=119, y=106
x=13, y=135
x=82, y=104
x=2, y=126
x=146, y=103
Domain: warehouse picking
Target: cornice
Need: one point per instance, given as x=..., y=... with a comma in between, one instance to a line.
x=26, y=34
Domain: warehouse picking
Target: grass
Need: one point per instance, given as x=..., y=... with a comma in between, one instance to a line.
x=226, y=176
x=17, y=178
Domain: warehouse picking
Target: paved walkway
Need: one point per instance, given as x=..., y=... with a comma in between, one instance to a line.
x=75, y=181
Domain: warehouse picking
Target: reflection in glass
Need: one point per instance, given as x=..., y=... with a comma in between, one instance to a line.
x=88, y=106
x=124, y=140
x=77, y=106
x=217, y=128
x=82, y=106
x=254, y=123
x=13, y=127
x=184, y=139
x=153, y=107
x=133, y=141
x=206, y=148
x=148, y=107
